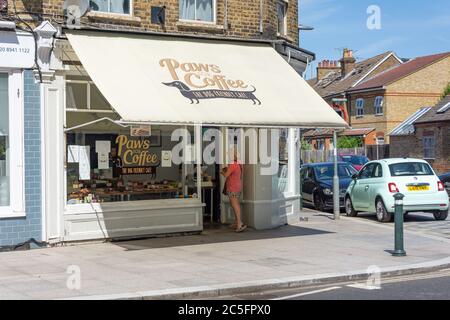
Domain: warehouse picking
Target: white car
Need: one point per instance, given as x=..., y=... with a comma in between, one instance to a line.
x=372, y=189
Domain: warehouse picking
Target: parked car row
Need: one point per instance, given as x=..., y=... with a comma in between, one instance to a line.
x=317, y=183
x=371, y=189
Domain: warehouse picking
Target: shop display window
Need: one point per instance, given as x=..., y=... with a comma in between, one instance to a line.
x=109, y=161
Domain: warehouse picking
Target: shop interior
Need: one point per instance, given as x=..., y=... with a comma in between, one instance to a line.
x=110, y=161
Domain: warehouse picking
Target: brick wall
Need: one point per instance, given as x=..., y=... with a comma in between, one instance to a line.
x=370, y=119
x=412, y=145
x=13, y=231
x=403, y=97
x=243, y=18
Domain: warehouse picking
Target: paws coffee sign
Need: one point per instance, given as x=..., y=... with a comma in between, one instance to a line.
x=199, y=81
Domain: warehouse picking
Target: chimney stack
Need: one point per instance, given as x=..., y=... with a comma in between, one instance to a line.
x=325, y=67
x=348, y=62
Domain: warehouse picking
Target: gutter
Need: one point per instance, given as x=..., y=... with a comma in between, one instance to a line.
x=168, y=34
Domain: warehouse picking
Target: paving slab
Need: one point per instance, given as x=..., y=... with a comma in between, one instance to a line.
x=217, y=261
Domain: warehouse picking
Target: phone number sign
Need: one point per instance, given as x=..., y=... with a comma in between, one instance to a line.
x=16, y=50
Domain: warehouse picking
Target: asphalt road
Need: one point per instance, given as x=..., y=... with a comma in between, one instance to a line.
x=434, y=286
x=422, y=222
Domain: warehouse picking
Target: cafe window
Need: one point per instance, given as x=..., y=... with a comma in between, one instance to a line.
x=83, y=95
x=112, y=6
x=281, y=18
x=11, y=145
x=283, y=169
x=197, y=10
x=108, y=161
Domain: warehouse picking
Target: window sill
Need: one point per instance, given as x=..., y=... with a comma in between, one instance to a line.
x=94, y=15
x=284, y=37
x=200, y=26
x=9, y=214
x=127, y=206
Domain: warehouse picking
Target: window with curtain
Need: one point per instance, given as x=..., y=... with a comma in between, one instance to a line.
x=359, y=107
x=197, y=10
x=429, y=147
x=378, y=105
x=111, y=6
x=4, y=142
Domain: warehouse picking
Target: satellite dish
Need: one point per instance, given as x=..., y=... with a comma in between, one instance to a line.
x=75, y=9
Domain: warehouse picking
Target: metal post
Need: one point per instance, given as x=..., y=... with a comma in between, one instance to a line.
x=336, y=208
x=399, y=249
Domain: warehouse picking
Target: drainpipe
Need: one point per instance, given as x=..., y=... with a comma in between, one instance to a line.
x=306, y=68
x=261, y=16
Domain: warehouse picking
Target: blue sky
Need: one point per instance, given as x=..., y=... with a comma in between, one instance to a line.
x=409, y=28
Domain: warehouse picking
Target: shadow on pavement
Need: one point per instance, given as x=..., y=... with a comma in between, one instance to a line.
x=218, y=234
x=410, y=217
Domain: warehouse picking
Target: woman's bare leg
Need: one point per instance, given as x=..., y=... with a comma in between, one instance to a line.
x=237, y=211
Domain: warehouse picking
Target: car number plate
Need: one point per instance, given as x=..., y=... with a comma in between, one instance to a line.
x=418, y=188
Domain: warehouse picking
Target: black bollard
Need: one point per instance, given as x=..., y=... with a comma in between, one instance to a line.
x=398, y=218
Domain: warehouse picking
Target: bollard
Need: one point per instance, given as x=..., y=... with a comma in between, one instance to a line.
x=398, y=218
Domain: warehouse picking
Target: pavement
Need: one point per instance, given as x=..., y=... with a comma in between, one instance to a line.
x=420, y=222
x=218, y=261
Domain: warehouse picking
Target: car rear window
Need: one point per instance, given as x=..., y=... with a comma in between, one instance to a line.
x=410, y=169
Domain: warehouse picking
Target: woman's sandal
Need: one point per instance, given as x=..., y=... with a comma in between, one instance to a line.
x=242, y=228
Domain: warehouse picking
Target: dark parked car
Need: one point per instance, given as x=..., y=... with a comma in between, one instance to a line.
x=356, y=161
x=445, y=178
x=317, y=183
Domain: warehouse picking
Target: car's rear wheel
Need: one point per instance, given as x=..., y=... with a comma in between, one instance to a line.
x=319, y=204
x=440, y=215
x=382, y=214
x=349, y=210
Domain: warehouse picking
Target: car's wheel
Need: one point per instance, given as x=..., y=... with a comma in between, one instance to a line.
x=382, y=214
x=349, y=210
x=318, y=203
x=440, y=215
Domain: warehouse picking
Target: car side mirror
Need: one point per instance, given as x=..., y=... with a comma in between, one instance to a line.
x=355, y=176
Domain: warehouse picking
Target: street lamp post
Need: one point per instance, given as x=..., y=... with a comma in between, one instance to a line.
x=336, y=207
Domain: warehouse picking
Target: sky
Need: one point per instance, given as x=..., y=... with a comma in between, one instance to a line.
x=410, y=28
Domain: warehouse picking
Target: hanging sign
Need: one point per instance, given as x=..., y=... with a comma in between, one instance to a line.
x=141, y=131
x=16, y=50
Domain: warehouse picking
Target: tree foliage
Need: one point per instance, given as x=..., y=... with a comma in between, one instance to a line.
x=349, y=142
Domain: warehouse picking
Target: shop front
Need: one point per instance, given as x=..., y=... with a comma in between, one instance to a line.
x=138, y=127
x=20, y=202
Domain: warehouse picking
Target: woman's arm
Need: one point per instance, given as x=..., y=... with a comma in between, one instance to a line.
x=227, y=171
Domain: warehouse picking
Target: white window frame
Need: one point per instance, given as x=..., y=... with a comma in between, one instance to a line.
x=195, y=15
x=378, y=105
x=429, y=144
x=285, y=4
x=116, y=13
x=88, y=84
x=359, y=107
x=16, y=206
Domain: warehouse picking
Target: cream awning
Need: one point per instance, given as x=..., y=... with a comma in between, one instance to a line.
x=163, y=79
